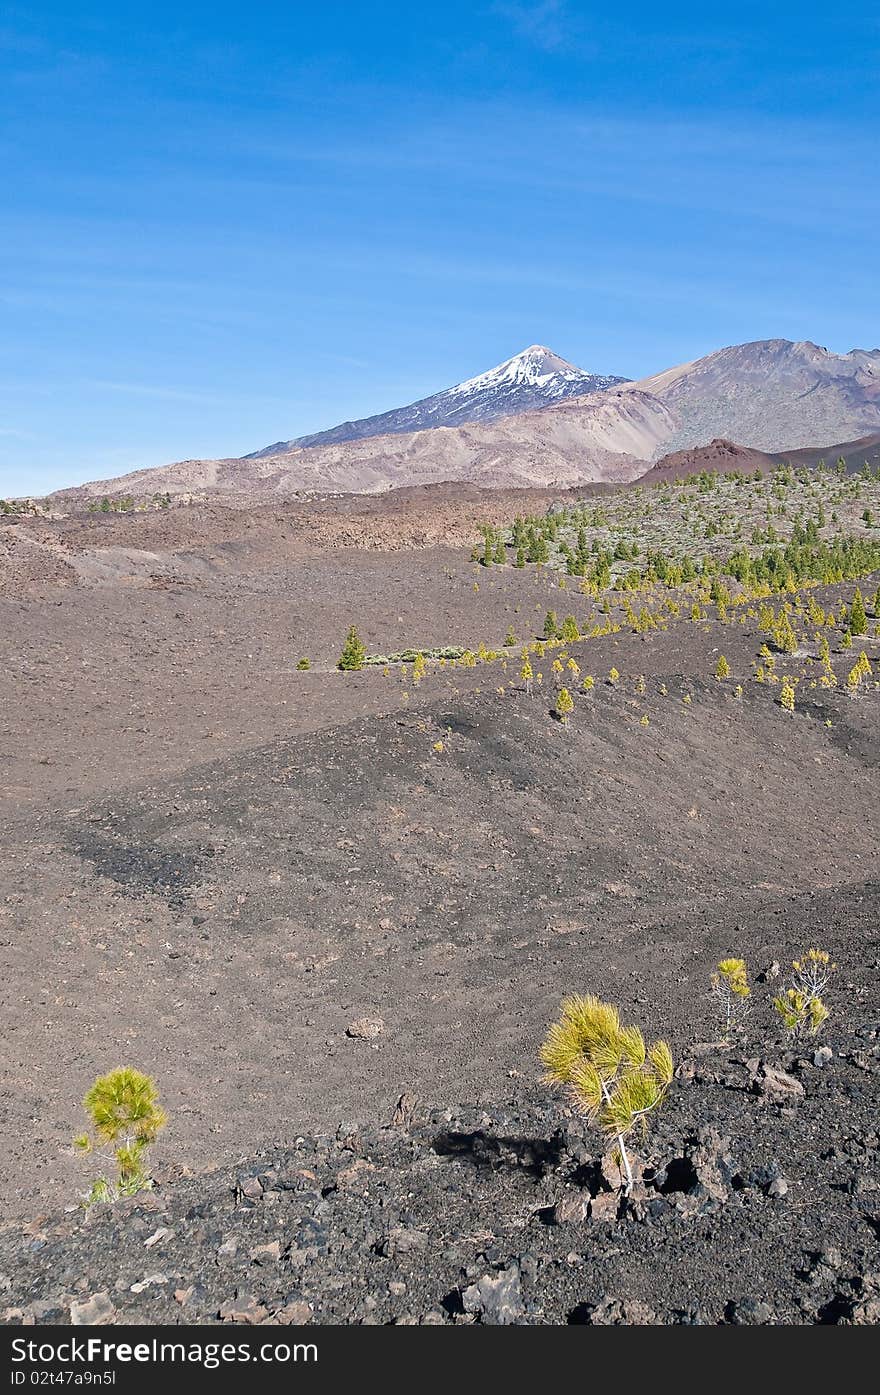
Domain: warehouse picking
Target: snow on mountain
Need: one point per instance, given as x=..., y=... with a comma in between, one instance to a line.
x=530, y=380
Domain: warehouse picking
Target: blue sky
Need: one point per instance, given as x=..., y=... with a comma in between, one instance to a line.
x=222, y=224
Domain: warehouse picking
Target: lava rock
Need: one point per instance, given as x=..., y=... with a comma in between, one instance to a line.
x=95, y=1311
x=496, y=1299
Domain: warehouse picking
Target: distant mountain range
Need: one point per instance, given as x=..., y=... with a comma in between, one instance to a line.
x=772, y=394
x=534, y=378
x=538, y=424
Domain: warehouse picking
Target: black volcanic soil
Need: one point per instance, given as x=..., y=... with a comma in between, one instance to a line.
x=212, y=865
x=755, y=1208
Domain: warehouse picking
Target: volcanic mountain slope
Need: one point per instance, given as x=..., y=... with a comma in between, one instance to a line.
x=532, y=379
x=721, y=457
x=607, y=435
x=854, y=454
x=772, y=394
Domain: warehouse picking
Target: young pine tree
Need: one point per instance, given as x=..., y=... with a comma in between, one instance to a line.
x=353, y=651
x=800, y=1004
x=784, y=636
x=858, y=620
x=564, y=705
x=608, y=1070
x=730, y=990
x=126, y=1117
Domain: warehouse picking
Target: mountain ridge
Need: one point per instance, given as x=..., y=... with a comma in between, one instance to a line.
x=531, y=379
x=771, y=394
x=767, y=395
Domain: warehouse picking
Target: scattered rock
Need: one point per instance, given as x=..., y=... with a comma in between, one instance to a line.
x=775, y=1085
x=496, y=1298
x=621, y=1312
x=261, y=1254
x=243, y=1307
x=148, y=1282
x=403, y=1241
x=605, y=1206
x=404, y=1111
x=349, y=1176
x=866, y=1313
x=569, y=1209
x=699, y=1180
x=295, y=1314
x=772, y=971
x=750, y=1312
x=95, y=1311
x=365, y=1028
x=163, y=1233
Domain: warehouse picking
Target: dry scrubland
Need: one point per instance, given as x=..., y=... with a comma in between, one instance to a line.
x=293, y=896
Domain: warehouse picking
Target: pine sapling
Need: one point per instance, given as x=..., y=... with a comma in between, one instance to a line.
x=126, y=1117
x=858, y=620
x=353, y=651
x=800, y=1004
x=564, y=706
x=609, y=1072
x=731, y=991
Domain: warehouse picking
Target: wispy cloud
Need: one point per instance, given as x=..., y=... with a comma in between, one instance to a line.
x=546, y=24
x=157, y=390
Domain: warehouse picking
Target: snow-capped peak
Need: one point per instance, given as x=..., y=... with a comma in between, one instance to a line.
x=532, y=379
x=536, y=366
